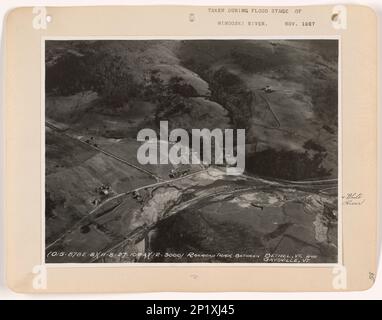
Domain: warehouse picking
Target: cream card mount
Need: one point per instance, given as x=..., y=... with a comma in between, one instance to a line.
x=185, y=148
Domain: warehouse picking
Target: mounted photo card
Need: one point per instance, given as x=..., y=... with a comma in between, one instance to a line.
x=186, y=148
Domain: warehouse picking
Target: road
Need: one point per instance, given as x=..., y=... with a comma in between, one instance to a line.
x=327, y=183
x=319, y=184
x=52, y=126
x=140, y=232
x=92, y=212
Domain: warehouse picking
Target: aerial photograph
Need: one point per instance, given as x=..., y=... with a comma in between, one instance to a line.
x=278, y=98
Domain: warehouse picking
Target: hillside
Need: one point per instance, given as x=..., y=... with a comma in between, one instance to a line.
x=197, y=84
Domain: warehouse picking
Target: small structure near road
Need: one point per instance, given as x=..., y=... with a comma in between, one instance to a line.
x=95, y=202
x=178, y=172
x=268, y=89
x=104, y=189
x=137, y=196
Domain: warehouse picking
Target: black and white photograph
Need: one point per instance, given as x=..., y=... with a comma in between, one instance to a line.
x=187, y=151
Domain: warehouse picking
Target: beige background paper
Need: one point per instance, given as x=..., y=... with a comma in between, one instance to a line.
x=24, y=127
